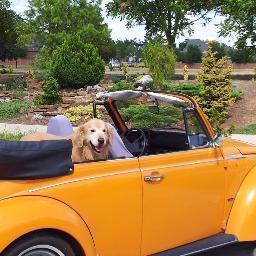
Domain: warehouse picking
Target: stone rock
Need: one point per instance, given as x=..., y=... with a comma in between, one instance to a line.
x=3, y=100
x=52, y=113
x=68, y=101
x=37, y=117
x=39, y=110
x=65, y=105
x=144, y=81
x=95, y=88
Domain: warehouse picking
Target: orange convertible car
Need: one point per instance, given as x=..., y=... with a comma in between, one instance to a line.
x=181, y=190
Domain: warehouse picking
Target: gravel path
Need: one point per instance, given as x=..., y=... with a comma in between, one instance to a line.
x=243, y=112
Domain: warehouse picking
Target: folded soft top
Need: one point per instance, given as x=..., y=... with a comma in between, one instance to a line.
x=35, y=160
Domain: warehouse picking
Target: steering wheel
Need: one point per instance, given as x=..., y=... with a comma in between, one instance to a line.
x=135, y=140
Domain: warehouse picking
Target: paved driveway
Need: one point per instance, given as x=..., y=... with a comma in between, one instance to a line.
x=246, y=138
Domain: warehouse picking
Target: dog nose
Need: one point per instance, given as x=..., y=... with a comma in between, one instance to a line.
x=101, y=141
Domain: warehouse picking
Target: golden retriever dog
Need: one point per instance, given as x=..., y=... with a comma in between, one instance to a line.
x=91, y=140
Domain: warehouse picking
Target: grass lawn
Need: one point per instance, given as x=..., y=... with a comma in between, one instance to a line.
x=250, y=129
x=11, y=136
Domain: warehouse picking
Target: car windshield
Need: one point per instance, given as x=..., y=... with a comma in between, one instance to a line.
x=151, y=113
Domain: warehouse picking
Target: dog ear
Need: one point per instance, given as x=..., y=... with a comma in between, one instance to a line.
x=110, y=134
x=78, y=137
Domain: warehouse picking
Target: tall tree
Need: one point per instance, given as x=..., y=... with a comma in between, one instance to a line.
x=240, y=21
x=241, y=55
x=128, y=48
x=169, y=18
x=9, y=48
x=220, y=49
x=4, y=4
x=193, y=54
x=216, y=96
x=51, y=22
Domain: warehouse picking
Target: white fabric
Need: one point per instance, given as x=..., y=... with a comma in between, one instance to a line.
x=121, y=95
x=166, y=98
x=118, y=149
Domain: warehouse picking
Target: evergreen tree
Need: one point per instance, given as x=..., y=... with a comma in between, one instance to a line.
x=216, y=97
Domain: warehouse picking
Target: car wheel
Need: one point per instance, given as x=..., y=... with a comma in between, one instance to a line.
x=43, y=245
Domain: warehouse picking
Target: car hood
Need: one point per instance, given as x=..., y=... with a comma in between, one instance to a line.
x=243, y=147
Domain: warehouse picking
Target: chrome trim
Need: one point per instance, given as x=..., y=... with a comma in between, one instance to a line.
x=81, y=179
x=250, y=156
x=180, y=165
x=177, y=152
x=234, y=156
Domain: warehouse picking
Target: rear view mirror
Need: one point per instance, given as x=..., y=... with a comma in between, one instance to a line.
x=217, y=140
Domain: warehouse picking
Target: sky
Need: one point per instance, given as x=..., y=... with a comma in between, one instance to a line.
x=119, y=30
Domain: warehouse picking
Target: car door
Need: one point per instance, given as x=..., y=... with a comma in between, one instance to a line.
x=108, y=197
x=183, y=193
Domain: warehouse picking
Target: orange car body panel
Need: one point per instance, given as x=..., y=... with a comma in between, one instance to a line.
x=25, y=214
x=186, y=199
x=110, y=210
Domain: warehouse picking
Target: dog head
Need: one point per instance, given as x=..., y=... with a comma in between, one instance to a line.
x=96, y=134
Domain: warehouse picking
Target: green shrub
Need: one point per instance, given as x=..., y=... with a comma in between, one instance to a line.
x=237, y=94
x=141, y=117
x=188, y=89
x=121, y=86
x=11, y=136
x=6, y=71
x=76, y=64
x=116, y=78
x=12, y=83
x=81, y=113
x=12, y=109
x=160, y=59
x=41, y=75
x=41, y=65
x=216, y=96
x=3, y=71
x=51, y=92
x=250, y=129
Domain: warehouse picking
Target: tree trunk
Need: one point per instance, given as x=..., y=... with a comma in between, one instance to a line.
x=170, y=38
x=170, y=35
x=16, y=63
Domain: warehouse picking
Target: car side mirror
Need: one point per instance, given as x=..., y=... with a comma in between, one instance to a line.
x=217, y=141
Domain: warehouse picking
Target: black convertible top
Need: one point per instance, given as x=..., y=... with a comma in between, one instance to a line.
x=21, y=160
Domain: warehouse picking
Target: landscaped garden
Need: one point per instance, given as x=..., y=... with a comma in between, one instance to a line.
x=69, y=70
x=37, y=96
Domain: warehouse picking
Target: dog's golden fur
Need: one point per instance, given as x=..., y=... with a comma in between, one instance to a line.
x=83, y=149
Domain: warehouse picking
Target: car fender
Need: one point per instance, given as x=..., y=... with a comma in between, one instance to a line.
x=242, y=218
x=24, y=214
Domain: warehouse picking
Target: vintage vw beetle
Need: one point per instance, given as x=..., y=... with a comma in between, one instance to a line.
x=183, y=190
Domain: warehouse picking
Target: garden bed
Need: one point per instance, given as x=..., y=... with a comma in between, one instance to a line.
x=241, y=113
x=4, y=76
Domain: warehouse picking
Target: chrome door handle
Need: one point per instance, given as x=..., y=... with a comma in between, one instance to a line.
x=154, y=178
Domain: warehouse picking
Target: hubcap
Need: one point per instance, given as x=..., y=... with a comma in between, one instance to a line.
x=42, y=250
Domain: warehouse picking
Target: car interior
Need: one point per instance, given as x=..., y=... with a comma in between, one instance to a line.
x=187, y=134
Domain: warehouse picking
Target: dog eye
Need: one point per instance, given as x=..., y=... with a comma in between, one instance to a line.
x=93, y=130
x=104, y=130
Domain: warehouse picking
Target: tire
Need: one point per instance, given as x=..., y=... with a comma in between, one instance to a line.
x=43, y=244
